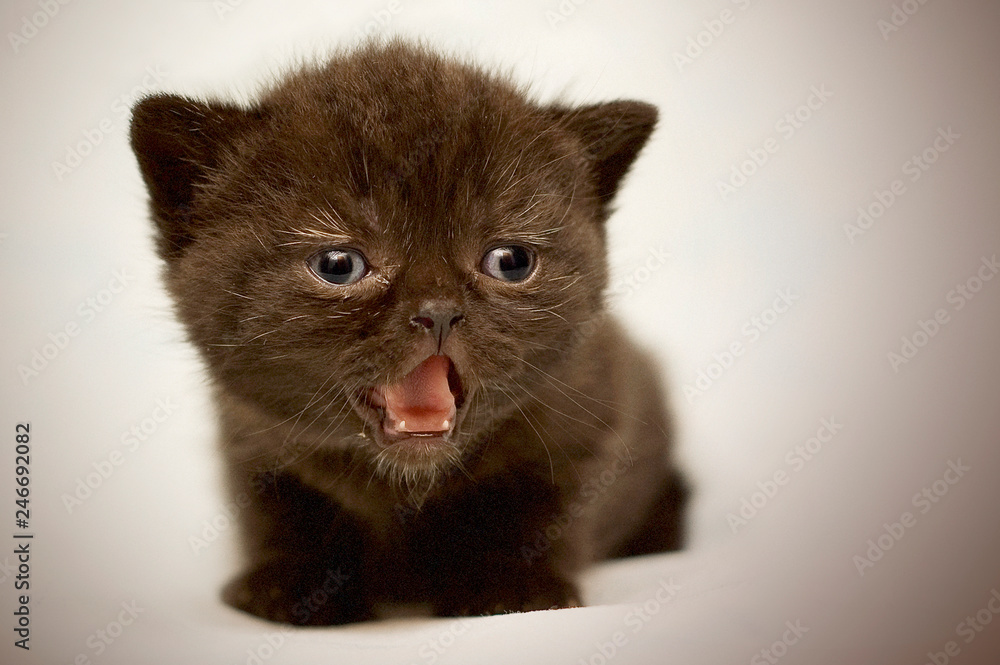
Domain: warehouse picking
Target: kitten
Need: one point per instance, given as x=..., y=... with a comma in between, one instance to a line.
x=393, y=266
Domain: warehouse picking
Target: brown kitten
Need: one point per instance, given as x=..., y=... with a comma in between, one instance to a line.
x=394, y=267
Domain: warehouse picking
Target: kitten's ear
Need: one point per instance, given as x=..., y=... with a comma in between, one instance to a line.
x=177, y=141
x=613, y=134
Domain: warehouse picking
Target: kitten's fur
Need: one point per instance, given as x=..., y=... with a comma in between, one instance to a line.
x=560, y=452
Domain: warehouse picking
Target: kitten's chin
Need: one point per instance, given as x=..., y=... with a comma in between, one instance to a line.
x=416, y=463
x=414, y=424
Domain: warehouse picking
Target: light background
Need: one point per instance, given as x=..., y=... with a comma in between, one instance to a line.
x=64, y=235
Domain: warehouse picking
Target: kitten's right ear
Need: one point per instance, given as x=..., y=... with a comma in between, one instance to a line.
x=177, y=141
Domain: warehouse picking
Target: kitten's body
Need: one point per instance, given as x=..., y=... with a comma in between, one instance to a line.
x=477, y=216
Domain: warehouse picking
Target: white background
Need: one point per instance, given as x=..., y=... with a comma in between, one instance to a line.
x=64, y=235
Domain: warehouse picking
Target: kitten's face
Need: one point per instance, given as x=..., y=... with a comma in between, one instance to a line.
x=389, y=260
x=328, y=293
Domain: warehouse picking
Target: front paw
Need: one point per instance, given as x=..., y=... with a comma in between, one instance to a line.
x=295, y=592
x=513, y=595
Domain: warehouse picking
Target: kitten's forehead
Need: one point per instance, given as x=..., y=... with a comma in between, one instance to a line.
x=418, y=148
x=396, y=114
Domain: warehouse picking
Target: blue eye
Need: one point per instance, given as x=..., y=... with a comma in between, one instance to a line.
x=510, y=263
x=339, y=266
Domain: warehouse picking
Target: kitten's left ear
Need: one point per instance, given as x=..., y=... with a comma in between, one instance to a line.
x=613, y=134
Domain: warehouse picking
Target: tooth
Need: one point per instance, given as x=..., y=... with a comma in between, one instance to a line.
x=402, y=425
x=446, y=424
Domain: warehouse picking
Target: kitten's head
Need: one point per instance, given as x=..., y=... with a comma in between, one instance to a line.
x=389, y=252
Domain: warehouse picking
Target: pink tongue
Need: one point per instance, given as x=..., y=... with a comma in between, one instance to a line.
x=422, y=400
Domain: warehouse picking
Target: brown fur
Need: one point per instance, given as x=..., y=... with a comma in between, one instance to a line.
x=561, y=452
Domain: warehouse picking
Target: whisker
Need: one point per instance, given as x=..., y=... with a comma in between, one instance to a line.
x=552, y=468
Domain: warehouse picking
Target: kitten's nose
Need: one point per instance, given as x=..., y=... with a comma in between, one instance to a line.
x=437, y=317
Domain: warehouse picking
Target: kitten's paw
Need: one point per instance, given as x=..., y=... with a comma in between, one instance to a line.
x=290, y=592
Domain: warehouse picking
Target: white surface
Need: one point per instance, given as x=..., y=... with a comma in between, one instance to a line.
x=64, y=238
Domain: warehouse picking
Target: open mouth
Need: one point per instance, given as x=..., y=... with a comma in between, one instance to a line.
x=425, y=404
